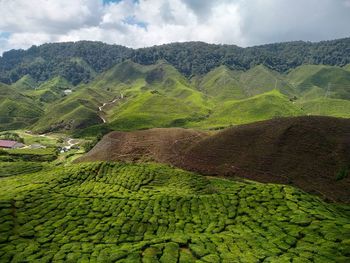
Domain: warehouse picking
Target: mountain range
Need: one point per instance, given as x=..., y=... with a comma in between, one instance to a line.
x=139, y=96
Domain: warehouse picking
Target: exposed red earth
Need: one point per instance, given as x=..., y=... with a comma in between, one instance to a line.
x=312, y=153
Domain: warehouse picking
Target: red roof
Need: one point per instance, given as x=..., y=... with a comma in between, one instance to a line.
x=7, y=143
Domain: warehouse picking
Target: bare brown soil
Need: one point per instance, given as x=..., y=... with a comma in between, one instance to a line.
x=307, y=152
x=160, y=145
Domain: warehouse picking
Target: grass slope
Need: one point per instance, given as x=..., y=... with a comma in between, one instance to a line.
x=327, y=107
x=261, y=79
x=222, y=84
x=51, y=90
x=25, y=83
x=76, y=111
x=333, y=82
x=16, y=110
x=154, y=96
x=115, y=212
x=159, y=96
x=265, y=106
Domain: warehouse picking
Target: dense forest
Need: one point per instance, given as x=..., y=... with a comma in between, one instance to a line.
x=80, y=61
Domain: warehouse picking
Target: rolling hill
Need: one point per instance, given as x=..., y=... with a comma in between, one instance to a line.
x=149, y=96
x=25, y=83
x=264, y=106
x=49, y=91
x=16, y=110
x=76, y=111
x=309, y=152
x=332, y=82
x=213, y=87
x=221, y=83
x=154, y=96
x=158, y=145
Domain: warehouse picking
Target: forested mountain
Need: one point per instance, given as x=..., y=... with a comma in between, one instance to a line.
x=80, y=61
x=76, y=62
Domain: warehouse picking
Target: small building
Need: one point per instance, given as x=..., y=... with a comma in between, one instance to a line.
x=67, y=91
x=10, y=144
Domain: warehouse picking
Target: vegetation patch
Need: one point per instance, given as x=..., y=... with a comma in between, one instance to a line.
x=15, y=168
x=117, y=212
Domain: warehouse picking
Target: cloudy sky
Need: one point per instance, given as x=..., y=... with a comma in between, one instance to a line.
x=140, y=23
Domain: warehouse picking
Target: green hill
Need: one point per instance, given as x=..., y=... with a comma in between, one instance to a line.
x=327, y=107
x=76, y=111
x=222, y=84
x=260, y=79
x=332, y=82
x=115, y=212
x=153, y=96
x=158, y=95
x=51, y=90
x=16, y=110
x=265, y=106
x=25, y=83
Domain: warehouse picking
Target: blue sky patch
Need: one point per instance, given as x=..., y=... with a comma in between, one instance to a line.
x=131, y=20
x=5, y=34
x=106, y=2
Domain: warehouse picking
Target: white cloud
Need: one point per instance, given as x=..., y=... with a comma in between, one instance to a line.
x=150, y=22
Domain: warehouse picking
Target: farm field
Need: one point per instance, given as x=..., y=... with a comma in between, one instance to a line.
x=123, y=212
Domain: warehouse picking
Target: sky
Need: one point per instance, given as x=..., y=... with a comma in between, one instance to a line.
x=142, y=23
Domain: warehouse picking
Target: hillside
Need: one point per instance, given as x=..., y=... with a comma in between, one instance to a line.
x=309, y=152
x=49, y=91
x=25, y=83
x=117, y=212
x=134, y=97
x=158, y=145
x=331, y=82
x=16, y=110
x=79, y=61
x=154, y=96
x=221, y=83
x=264, y=106
x=151, y=87
x=76, y=111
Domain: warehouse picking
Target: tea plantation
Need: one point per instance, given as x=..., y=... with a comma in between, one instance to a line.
x=117, y=212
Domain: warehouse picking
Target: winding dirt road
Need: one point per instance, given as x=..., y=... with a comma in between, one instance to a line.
x=100, y=108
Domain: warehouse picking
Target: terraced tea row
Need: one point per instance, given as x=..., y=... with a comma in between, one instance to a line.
x=15, y=168
x=116, y=212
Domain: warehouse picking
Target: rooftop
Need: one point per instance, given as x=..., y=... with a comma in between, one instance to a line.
x=7, y=143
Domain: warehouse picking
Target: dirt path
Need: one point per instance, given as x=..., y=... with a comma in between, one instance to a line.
x=100, y=108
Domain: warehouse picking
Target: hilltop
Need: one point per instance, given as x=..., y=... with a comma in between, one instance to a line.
x=309, y=152
x=157, y=145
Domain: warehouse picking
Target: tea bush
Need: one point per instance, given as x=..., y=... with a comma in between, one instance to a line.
x=119, y=212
